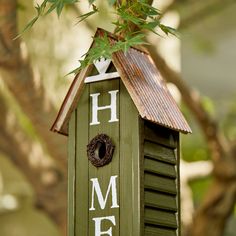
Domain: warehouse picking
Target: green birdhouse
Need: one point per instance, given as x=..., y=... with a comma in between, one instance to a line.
x=123, y=140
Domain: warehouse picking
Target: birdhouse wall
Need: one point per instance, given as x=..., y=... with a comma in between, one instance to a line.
x=140, y=186
x=161, y=181
x=121, y=212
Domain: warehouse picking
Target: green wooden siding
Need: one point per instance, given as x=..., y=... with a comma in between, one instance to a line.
x=71, y=174
x=159, y=183
x=160, y=218
x=161, y=135
x=154, y=231
x=104, y=173
x=159, y=167
x=159, y=152
x=161, y=204
x=81, y=166
x=125, y=163
x=160, y=201
x=129, y=166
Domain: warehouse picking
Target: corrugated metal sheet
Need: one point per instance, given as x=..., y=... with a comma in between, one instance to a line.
x=145, y=86
x=148, y=90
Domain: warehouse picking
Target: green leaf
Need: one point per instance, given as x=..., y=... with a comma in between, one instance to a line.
x=103, y=48
x=39, y=9
x=168, y=30
x=150, y=10
x=86, y=15
x=60, y=6
x=54, y=4
x=151, y=25
x=52, y=7
x=70, y=1
x=28, y=26
x=142, y=15
x=126, y=16
x=135, y=40
x=75, y=71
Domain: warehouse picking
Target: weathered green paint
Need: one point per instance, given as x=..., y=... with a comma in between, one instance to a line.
x=71, y=174
x=104, y=173
x=160, y=201
x=161, y=135
x=153, y=231
x=161, y=181
x=177, y=152
x=160, y=218
x=159, y=167
x=146, y=161
x=82, y=175
x=129, y=166
x=159, y=152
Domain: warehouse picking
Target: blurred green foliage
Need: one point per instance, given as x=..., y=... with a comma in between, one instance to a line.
x=18, y=216
x=199, y=188
x=229, y=121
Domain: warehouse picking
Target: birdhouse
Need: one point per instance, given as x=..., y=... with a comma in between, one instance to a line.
x=123, y=139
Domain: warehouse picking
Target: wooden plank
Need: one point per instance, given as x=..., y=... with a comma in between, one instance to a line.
x=129, y=166
x=161, y=135
x=142, y=173
x=101, y=77
x=71, y=175
x=159, y=152
x=82, y=178
x=160, y=218
x=162, y=184
x=159, y=167
x=103, y=174
x=178, y=185
x=160, y=200
x=154, y=231
x=70, y=101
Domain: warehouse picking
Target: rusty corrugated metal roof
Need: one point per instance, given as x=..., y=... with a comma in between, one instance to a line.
x=145, y=85
x=148, y=90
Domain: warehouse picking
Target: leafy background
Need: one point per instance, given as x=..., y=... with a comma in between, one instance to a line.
x=204, y=54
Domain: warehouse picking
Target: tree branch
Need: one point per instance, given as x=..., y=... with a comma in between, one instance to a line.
x=189, y=172
x=18, y=75
x=43, y=174
x=48, y=181
x=191, y=98
x=204, y=12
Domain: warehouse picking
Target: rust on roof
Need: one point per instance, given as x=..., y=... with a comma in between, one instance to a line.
x=69, y=104
x=143, y=82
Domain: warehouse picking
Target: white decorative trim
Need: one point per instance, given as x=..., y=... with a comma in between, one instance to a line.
x=101, y=77
x=102, y=65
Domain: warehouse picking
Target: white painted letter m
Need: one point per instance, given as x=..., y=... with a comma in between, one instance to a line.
x=102, y=201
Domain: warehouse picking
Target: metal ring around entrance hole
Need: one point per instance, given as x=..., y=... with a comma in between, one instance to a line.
x=100, y=150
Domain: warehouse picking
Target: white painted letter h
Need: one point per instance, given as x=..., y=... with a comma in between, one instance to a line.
x=96, y=108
